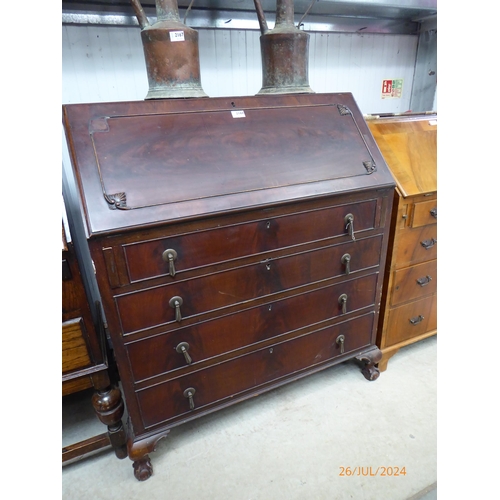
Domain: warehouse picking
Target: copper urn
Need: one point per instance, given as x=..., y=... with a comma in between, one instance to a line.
x=285, y=52
x=171, y=51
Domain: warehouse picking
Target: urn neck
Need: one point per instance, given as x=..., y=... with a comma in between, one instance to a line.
x=284, y=12
x=167, y=10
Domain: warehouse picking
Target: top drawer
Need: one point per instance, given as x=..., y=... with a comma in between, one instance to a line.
x=184, y=252
x=424, y=213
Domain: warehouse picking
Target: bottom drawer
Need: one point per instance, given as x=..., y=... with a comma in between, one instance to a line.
x=170, y=400
x=411, y=320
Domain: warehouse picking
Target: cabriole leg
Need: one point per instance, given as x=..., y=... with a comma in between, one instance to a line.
x=138, y=452
x=368, y=361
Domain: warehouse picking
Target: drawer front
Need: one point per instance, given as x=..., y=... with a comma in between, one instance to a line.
x=425, y=213
x=412, y=320
x=145, y=260
x=75, y=354
x=414, y=282
x=416, y=245
x=156, y=355
x=167, y=401
x=153, y=307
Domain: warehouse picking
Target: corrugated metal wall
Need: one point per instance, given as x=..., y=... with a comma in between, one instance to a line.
x=102, y=63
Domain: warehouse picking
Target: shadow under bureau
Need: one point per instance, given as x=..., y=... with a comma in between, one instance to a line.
x=239, y=244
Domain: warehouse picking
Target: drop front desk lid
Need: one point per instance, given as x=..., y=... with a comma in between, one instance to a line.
x=409, y=145
x=151, y=162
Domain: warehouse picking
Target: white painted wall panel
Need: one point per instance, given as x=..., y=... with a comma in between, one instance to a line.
x=102, y=64
x=357, y=63
x=107, y=64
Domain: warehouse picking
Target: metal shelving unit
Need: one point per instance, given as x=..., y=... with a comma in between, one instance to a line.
x=370, y=16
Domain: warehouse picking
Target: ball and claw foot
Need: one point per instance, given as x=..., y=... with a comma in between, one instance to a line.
x=370, y=372
x=143, y=469
x=368, y=361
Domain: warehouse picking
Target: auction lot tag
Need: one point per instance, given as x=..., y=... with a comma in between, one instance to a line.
x=177, y=36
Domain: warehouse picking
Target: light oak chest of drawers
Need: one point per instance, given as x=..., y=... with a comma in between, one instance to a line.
x=239, y=244
x=409, y=308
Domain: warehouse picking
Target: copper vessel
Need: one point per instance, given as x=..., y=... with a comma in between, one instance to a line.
x=285, y=52
x=171, y=52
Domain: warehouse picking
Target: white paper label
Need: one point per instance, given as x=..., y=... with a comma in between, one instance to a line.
x=433, y=122
x=238, y=114
x=177, y=36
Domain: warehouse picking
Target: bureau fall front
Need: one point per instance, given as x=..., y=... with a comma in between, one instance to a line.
x=239, y=244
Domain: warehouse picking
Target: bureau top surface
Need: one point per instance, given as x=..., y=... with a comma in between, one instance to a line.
x=146, y=163
x=409, y=146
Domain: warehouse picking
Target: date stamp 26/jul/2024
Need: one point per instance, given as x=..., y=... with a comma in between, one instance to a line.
x=381, y=471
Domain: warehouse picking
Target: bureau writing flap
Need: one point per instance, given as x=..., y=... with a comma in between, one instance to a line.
x=160, y=159
x=212, y=159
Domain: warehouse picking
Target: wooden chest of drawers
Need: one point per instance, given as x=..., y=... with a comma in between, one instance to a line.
x=409, y=309
x=239, y=244
x=85, y=361
x=82, y=344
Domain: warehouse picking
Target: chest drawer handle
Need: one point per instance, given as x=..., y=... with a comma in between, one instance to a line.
x=346, y=261
x=189, y=393
x=340, y=341
x=349, y=225
x=434, y=212
x=169, y=256
x=424, y=281
x=428, y=243
x=416, y=320
x=176, y=303
x=343, y=302
x=183, y=348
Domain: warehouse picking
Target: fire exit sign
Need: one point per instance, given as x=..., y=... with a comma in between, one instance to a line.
x=392, y=89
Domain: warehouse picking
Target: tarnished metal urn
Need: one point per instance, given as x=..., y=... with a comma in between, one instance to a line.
x=171, y=52
x=285, y=52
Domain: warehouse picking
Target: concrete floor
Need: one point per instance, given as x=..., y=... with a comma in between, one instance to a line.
x=292, y=443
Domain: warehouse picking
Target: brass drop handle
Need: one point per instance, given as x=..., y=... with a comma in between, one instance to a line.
x=346, y=261
x=189, y=393
x=176, y=303
x=428, y=243
x=169, y=256
x=340, y=341
x=349, y=222
x=416, y=320
x=343, y=302
x=183, y=348
x=434, y=212
x=424, y=280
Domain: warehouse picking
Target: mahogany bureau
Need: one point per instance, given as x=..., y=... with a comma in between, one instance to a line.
x=409, y=307
x=239, y=244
